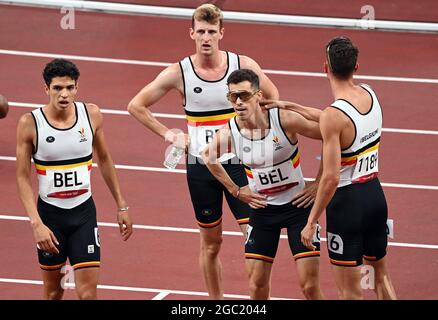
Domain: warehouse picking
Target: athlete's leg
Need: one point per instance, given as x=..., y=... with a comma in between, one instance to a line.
x=211, y=267
x=86, y=280
x=52, y=284
x=260, y=250
x=259, y=274
x=308, y=275
x=383, y=285
x=307, y=262
x=348, y=282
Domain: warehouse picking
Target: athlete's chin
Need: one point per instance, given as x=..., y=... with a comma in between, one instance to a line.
x=242, y=115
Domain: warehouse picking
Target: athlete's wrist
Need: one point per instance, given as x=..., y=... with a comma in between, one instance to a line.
x=35, y=223
x=122, y=210
x=235, y=192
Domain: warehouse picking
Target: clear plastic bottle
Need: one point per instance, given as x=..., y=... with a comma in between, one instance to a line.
x=173, y=157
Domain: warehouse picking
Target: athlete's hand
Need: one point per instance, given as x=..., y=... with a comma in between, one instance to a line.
x=269, y=104
x=307, y=235
x=125, y=224
x=307, y=196
x=45, y=238
x=178, y=138
x=254, y=200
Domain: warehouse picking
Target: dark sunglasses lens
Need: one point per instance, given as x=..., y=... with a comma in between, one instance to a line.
x=244, y=96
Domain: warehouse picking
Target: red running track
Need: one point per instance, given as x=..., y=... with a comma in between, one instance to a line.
x=168, y=259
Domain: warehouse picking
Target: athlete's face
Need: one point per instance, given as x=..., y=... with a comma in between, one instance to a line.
x=206, y=36
x=62, y=92
x=244, y=99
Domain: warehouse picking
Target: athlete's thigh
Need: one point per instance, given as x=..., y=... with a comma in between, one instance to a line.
x=344, y=227
x=262, y=239
x=84, y=242
x=206, y=194
x=295, y=223
x=54, y=219
x=375, y=218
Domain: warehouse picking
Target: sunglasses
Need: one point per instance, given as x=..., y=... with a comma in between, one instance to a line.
x=242, y=95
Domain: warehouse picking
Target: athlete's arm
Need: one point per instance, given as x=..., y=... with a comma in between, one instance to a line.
x=106, y=166
x=307, y=112
x=44, y=237
x=332, y=123
x=221, y=144
x=293, y=123
x=168, y=79
x=4, y=107
x=267, y=87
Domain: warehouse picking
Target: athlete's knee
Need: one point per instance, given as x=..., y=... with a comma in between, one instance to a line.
x=53, y=294
x=310, y=289
x=87, y=293
x=258, y=284
x=211, y=247
x=351, y=294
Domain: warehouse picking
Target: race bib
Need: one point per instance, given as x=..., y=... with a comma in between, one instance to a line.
x=275, y=179
x=367, y=167
x=67, y=183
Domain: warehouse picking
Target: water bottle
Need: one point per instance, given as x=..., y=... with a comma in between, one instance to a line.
x=173, y=157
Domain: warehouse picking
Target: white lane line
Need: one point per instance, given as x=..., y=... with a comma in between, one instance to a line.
x=182, y=117
x=165, y=64
x=165, y=170
x=237, y=16
x=161, y=295
x=228, y=233
x=160, y=292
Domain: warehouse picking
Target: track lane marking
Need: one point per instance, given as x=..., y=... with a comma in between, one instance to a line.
x=228, y=233
x=182, y=117
x=166, y=64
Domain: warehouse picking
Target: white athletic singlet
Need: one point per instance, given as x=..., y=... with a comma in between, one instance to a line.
x=63, y=159
x=272, y=164
x=206, y=106
x=360, y=161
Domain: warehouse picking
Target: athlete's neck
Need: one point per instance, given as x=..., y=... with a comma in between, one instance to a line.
x=64, y=115
x=209, y=62
x=341, y=88
x=256, y=125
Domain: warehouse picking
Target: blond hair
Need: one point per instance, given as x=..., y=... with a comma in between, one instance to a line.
x=209, y=13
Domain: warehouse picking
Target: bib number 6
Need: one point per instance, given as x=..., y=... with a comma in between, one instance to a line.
x=335, y=243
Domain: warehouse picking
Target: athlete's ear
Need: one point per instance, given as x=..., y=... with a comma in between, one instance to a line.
x=222, y=31
x=325, y=67
x=46, y=88
x=356, y=67
x=192, y=33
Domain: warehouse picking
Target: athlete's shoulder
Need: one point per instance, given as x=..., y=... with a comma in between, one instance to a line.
x=26, y=120
x=26, y=125
x=92, y=108
x=333, y=118
x=247, y=62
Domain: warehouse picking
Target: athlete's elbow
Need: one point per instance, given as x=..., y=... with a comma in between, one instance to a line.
x=331, y=181
x=134, y=107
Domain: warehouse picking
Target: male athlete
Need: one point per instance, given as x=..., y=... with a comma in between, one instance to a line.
x=61, y=137
x=201, y=81
x=349, y=188
x=266, y=142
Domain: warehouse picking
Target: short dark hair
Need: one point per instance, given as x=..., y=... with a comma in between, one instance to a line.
x=241, y=75
x=342, y=57
x=60, y=68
